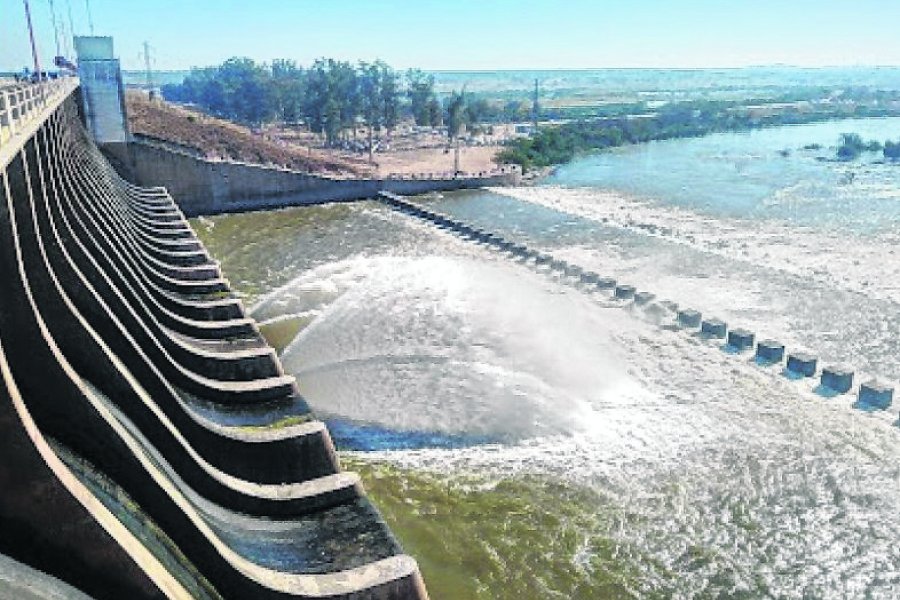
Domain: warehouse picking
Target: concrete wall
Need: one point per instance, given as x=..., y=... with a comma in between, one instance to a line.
x=204, y=187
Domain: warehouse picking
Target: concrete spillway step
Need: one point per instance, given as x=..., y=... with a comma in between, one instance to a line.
x=310, y=448
x=159, y=408
x=231, y=541
x=218, y=359
x=51, y=523
x=203, y=278
x=92, y=356
x=175, y=312
x=173, y=309
x=344, y=551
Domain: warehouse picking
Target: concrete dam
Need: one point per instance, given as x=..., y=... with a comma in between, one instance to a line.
x=152, y=444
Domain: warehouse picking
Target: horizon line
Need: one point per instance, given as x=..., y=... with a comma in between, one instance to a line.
x=575, y=69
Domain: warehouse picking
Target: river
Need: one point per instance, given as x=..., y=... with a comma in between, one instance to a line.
x=528, y=439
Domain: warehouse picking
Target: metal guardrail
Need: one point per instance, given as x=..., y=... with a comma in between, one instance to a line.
x=20, y=104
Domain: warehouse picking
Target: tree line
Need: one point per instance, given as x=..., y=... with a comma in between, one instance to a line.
x=851, y=146
x=559, y=144
x=332, y=97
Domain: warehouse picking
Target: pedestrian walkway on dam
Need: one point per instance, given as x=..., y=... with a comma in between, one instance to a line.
x=834, y=380
x=152, y=444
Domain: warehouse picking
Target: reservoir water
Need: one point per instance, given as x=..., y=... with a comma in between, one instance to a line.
x=528, y=439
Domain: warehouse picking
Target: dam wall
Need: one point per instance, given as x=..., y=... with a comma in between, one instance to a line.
x=153, y=446
x=206, y=187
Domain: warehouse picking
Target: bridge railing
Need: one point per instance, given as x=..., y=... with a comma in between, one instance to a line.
x=20, y=104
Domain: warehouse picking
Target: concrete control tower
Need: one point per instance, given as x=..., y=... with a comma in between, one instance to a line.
x=102, y=92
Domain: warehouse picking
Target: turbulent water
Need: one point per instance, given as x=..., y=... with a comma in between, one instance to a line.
x=715, y=476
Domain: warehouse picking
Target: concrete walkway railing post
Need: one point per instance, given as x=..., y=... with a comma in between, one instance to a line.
x=22, y=103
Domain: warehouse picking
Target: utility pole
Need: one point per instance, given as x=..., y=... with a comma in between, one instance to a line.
x=87, y=4
x=147, y=67
x=535, y=107
x=458, y=126
x=34, y=51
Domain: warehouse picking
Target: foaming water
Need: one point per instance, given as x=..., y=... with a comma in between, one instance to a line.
x=856, y=262
x=802, y=307
x=726, y=474
x=449, y=344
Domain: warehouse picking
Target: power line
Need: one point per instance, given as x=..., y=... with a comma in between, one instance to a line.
x=69, y=9
x=34, y=50
x=71, y=29
x=87, y=4
x=55, y=27
x=149, y=70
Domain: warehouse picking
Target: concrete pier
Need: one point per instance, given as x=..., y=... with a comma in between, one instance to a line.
x=643, y=298
x=837, y=378
x=669, y=305
x=558, y=265
x=740, y=339
x=803, y=364
x=624, y=292
x=573, y=270
x=606, y=283
x=770, y=351
x=689, y=318
x=589, y=278
x=714, y=328
x=876, y=394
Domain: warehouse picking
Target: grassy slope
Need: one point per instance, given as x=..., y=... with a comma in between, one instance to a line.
x=224, y=139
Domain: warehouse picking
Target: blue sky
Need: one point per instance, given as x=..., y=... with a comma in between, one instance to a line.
x=471, y=34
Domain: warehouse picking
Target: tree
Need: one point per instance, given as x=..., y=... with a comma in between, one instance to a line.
x=389, y=92
x=370, y=100
x=435, y=116
x=456, y=115
x=317, y=96
x=344, y=90
x=480, y=111
x=891, y=150
x=330, y=95
x=331, y=120
x=288, y=84
x=421, y=96
x=456, y=122
x=246, y=89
